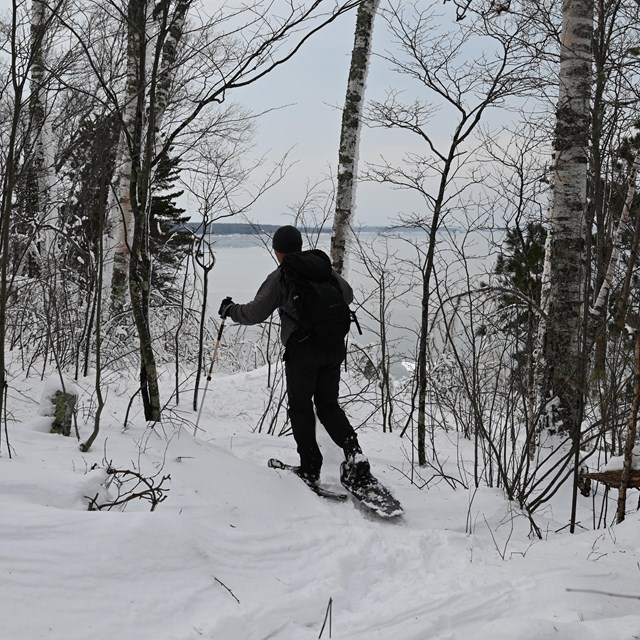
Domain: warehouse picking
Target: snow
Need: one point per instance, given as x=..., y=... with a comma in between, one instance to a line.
x=52, y=385
x=238, y=551
x=616, y=463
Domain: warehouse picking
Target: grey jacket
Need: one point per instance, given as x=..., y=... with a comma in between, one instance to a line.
x=273, y=295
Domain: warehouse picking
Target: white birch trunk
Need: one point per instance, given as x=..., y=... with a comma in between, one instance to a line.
x=350, y=134
x=562, y=377
x=120, y=224
x=120, y=229
x=605, y=289
x=43, y=149
x=169, y=56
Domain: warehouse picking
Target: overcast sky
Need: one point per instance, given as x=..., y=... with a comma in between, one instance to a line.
x=314, y=84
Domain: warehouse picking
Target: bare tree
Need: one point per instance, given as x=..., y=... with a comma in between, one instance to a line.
x=390, y=283
x=104, y=174
x=172, y=84
x=169, y=22
x=560, y=365
x=466, y=91
x=121, y=222
x=22, y=58
x=608, y=277
x=220, y=173
x=630, y=441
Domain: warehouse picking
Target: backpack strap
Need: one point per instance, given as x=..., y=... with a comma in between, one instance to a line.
x=354, y=319
x=283, y=311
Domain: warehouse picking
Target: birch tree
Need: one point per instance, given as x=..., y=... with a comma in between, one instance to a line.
x=13, y=92
x=614, y=108
x=37, y=204
x=224, y=52
x=598, y=307
x=561, y=362
x=121, y=211
x=169, y=21
x=43, y=143
x=350, y=133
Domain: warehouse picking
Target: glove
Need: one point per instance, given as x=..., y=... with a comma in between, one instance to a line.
x=225, y=307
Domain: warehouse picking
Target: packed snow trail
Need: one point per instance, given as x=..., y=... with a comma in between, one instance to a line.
x=238, y=552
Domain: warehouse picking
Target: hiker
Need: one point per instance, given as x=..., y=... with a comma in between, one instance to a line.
x=312, y=357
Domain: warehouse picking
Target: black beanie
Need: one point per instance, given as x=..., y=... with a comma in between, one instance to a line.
x=287, y=239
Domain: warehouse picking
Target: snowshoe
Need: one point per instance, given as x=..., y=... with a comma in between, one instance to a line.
x=371, y=494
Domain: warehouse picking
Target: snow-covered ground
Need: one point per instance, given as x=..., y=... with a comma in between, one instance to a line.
x=238, y=551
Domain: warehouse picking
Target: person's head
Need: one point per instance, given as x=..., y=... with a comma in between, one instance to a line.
x=286, y=240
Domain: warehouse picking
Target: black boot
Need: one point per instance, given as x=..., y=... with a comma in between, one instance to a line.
x=355, y=472
x=351, y=447
x=308, y=475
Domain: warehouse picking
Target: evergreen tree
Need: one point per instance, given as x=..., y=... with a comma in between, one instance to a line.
x=170, y=237
x=519, y=268
x=90, y=153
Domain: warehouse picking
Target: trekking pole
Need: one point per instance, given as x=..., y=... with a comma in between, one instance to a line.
x=214, y=357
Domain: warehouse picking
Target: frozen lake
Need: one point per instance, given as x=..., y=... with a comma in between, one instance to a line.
x=243, y=262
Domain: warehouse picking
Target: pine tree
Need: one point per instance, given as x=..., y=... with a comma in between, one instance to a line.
x=519, y=268
x=169, y=239
x=90, y=152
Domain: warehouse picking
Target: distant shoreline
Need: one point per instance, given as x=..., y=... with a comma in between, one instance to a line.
x=242, y=228
x=246, y=229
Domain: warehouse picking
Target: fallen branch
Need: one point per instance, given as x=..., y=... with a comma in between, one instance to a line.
x=222, y=584
x=605, y=593
x=131, y=485
x=327, y=616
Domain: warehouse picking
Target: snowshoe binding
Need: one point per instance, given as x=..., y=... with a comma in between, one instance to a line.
x=356, y=477
x=311, y=482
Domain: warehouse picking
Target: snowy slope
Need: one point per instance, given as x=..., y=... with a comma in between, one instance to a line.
x=238, y=551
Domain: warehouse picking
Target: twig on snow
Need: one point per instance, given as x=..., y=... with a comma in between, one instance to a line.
x=327, y=616
x=605, y=593
x=222, y=584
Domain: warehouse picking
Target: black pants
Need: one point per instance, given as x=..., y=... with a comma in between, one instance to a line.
x=313, y=377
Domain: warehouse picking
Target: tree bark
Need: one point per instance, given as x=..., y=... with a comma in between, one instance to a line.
x=139, y=257
x=607, y=284
x=121, y=211
x=631, y=435
x=100, y=400
x=174, y=32
x=43, y=162
x=350, y=133
x=560, y=364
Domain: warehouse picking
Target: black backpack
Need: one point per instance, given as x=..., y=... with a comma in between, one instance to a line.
x=323, y=316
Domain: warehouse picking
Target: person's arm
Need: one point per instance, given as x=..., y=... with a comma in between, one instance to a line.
x=266, y=301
